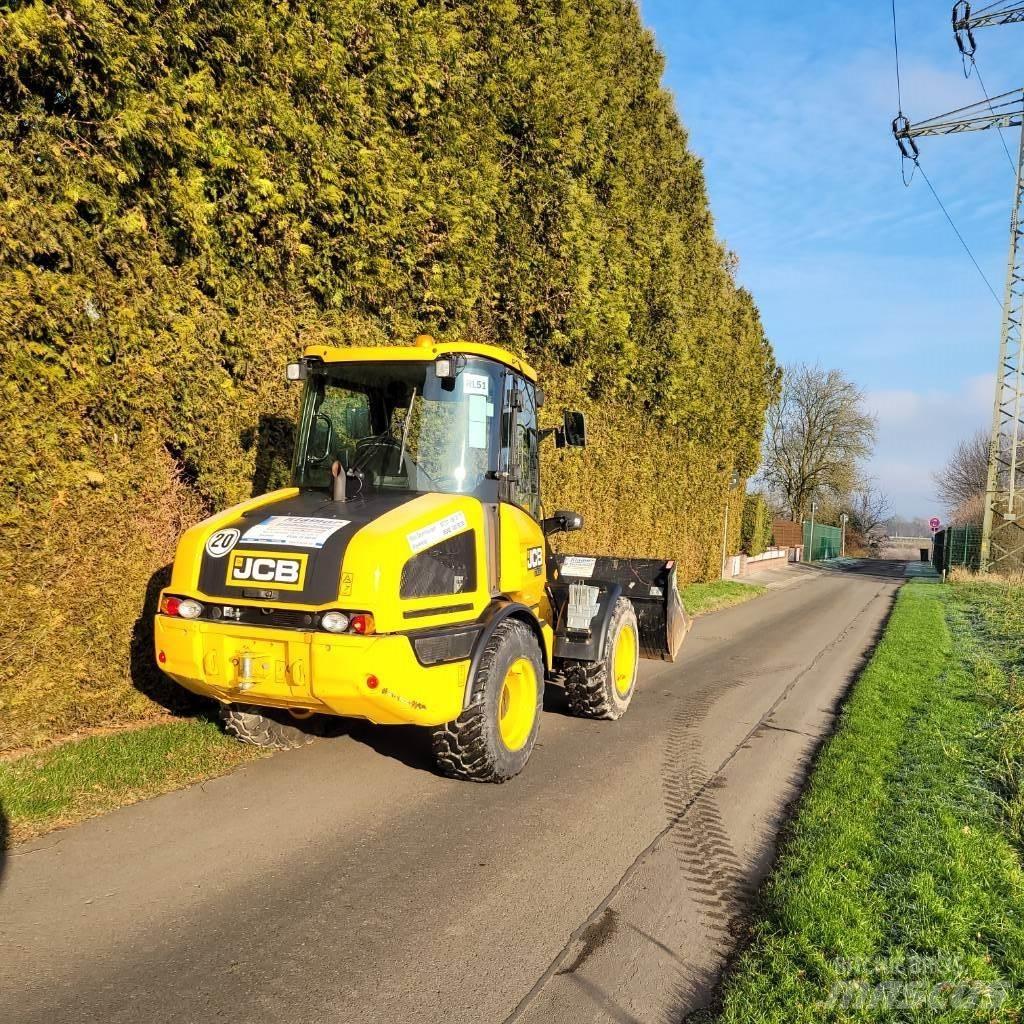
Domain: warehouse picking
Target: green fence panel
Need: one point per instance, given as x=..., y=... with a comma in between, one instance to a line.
x=827, y=542
x=956, y=547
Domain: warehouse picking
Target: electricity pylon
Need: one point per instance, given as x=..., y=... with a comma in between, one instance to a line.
x=1002, y=538
x=966, y=20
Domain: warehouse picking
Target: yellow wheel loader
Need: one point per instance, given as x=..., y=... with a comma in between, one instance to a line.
x=405, y=577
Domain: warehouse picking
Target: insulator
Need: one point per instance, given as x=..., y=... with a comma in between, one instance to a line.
x=901, y=133
x=962, y=28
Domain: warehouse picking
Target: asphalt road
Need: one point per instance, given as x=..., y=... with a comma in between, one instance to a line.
x=345, y=882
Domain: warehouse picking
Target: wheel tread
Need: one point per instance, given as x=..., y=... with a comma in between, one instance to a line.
x=460, y=747
x=250, y=725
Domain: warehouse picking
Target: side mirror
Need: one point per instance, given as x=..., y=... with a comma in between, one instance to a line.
x=563, y=522
x=574, y=431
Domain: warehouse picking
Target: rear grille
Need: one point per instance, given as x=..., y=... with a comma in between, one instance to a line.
x=445, y=569
x=247, y=615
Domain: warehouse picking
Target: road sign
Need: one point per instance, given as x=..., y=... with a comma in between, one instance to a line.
x=935, y=522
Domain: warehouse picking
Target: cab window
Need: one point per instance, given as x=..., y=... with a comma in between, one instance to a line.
x=522, y=450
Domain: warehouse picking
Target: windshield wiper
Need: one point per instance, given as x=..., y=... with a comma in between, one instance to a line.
x=405, y=429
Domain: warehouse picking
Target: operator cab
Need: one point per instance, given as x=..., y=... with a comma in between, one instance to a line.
x=451, y=422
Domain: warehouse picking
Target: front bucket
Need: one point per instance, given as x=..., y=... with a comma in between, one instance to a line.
x=651, y=586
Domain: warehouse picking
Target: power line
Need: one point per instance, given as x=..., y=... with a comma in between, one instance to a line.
x=956, y=231
x=896, y=47
x=917, y=162
x=988, y=99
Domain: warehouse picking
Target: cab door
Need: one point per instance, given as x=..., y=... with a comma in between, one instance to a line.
x=522, y=569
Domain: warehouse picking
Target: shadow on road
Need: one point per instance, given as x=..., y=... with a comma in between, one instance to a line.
x=408, y=744
x=871, y=568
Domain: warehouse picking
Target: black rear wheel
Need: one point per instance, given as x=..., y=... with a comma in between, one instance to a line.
x=264, y=727
x=492, y=739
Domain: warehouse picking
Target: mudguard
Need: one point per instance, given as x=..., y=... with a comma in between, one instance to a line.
x=494, y=614
x=578, y=645
x=649, y=584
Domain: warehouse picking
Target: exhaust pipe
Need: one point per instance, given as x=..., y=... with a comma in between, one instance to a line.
x=340, y=492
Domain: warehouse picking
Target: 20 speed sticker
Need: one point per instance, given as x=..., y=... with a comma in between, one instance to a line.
x=283, y=572
x=221, y=542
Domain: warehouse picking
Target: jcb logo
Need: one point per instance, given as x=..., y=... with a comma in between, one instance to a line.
x=285, y=572
x=535, y=560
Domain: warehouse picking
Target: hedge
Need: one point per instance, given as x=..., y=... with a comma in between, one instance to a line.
x=757, y=525
x=191, y=191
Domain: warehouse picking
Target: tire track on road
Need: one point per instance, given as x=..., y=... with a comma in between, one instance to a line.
x=703, y=848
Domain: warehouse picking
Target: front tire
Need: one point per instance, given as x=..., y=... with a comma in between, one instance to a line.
x=256, y=726
x=492, y=740
x=603, y=689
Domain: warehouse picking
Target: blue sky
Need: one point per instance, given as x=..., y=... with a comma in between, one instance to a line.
x=789, y=105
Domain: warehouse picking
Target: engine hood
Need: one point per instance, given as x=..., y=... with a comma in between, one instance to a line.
x=290, y=550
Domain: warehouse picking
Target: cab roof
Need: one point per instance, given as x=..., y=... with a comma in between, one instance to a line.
x=425, y=349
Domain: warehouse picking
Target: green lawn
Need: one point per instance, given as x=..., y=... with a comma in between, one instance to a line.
x=699, y=598
x=899, y=892
x=76, y=780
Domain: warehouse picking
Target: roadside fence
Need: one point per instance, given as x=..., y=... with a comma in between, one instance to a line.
x=827, y=542
x=957, y=546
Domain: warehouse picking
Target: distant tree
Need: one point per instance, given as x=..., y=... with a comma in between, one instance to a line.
x=868, y=509
x=960, y=484
x=900, y=526
x=816, y=436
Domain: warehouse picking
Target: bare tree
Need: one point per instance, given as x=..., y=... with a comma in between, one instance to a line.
x=816, y=436
x=960, y=484
x=868, y=509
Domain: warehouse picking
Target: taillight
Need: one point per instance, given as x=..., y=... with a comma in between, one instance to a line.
x=347, y=622
x=182, y=607
x=362, y=624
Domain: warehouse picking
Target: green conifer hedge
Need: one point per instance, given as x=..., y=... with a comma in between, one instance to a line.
x=191, y=190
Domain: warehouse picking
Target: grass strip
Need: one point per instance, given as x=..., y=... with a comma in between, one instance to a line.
x=76, y=780
x=899, y=894
x=700, y=598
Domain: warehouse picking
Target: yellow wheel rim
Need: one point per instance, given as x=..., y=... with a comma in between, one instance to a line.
x=517, y=704
x=624, y=660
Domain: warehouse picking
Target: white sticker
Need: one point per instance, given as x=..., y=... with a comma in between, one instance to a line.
x=294, y=531
x=476, y=434
x=475, y=384
x=221, y=542
x=427, y=536
x=577, y=565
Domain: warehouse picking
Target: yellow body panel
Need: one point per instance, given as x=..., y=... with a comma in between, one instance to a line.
x=189, y=555
x=315, y=671
x=521, y=575
x=325, y=672
x=373, y=564
x=426, y=352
